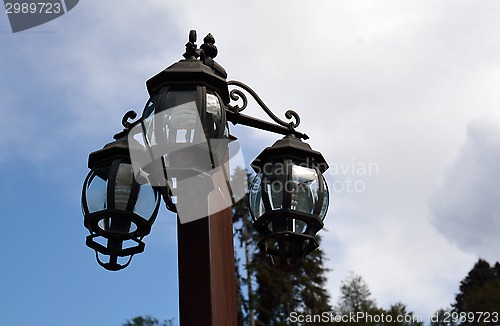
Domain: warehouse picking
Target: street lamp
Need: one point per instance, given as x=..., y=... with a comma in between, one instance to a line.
x=289, y=200
x=118, y=211
x=182, y=136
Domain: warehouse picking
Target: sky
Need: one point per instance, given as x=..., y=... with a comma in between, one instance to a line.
x=401, y=97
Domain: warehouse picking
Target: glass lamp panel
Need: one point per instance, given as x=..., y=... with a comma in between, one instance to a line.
x=180, y=118
x=275, y=183
x=255, y=196
x=275, y=194
x=146, y=201
x=149, y=122
x=304, y=189
x=299, y=226
x=96, y=190
x=123, y=185
x=214, y=115
x=104, y=223
x=213, y=126
x=326, y=200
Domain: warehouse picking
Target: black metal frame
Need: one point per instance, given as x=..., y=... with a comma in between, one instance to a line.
x=108, y=161
x=285, y=245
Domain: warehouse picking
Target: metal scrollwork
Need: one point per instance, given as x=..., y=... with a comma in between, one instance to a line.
x=237, y=94
x=292, y=114
x=130, y=115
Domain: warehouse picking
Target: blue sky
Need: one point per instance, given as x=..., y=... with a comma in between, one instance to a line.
x=408, y=87
x=53, y=116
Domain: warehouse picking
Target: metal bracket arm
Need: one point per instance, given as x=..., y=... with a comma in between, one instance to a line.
x=281, y=127
x=246, y=120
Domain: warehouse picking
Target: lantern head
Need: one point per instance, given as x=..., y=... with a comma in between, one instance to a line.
x=289, y=200
x=184, y=123
x=118, y=210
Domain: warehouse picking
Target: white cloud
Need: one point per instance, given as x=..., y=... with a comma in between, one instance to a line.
x=466, y=208
x=74, y=83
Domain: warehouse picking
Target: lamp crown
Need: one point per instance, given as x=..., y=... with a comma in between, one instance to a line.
x=191, y=71
x=290, y=147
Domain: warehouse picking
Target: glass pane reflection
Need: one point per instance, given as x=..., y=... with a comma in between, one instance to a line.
x=256, y=204
x=304, y=189
x=123, y=185
x=96, y=192
x=326, y=200
x=146, y=201
x=174, y=119
x=214, y=115
x=180, y=117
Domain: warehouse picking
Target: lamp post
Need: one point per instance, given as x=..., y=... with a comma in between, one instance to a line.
x=178, y=150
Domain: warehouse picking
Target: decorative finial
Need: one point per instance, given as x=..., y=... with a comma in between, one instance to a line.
x=191, y=52
x=208, y=47
x=208, y=53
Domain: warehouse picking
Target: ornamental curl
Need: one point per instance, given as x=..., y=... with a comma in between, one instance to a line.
x=292, y=114
x=130, y=115
x=237, y=94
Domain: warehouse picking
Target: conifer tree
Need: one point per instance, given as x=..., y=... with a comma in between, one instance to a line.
x=442, y=317
x=356, y=300
x=148, y=321
x=268, y=294
x=479, y=293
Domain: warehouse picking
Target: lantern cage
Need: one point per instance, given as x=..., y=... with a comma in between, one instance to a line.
x=118, y=210
x=289, y=199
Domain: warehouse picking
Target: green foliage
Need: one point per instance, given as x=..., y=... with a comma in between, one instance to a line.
x=148, y=321
x=355, y=296
x=479, y=292
x=279, y=293
x=406, y=318
x=442, y=318
x=271, y=294
x=356, y=300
